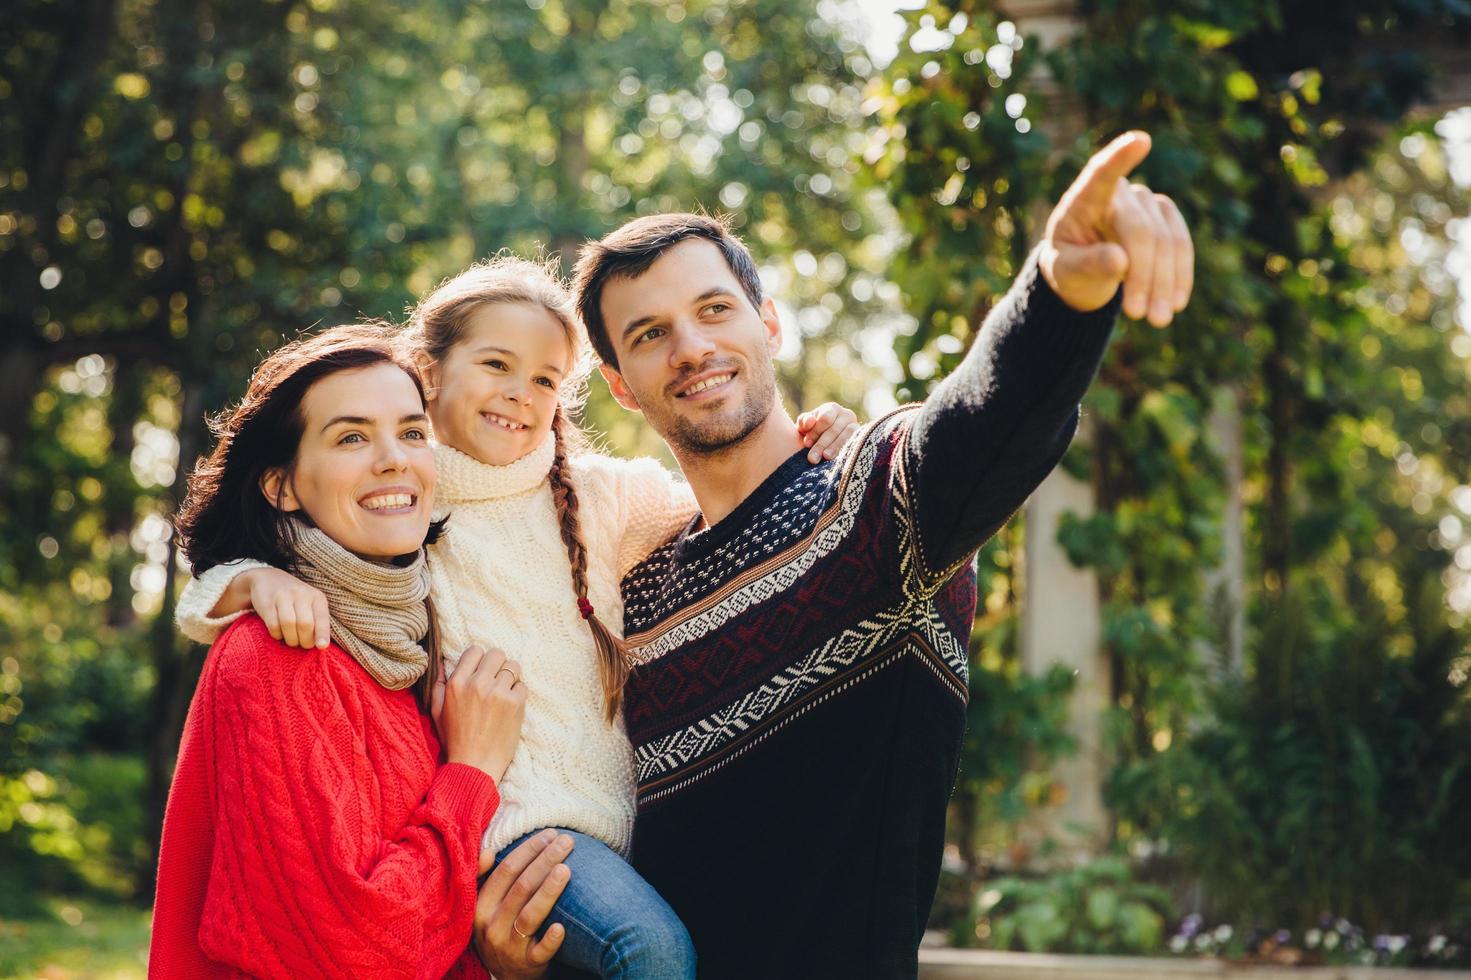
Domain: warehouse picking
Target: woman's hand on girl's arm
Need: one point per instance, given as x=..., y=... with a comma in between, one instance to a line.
x=478, y=711
x=826, y=429
x=514, y=902
x=295, y=613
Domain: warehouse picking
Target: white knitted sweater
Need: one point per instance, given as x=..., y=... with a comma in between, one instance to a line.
x=501, y=578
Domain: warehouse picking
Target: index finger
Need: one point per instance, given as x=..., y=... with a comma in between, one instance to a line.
x=1101, y=175
x=510, y=867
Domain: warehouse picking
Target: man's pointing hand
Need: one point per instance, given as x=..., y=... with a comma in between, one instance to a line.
x=1106, y=231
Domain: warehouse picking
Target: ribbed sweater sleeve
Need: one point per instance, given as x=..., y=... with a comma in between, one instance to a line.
x=993, y=430
x=301, y=755
x=653, y=505
x=200, y=595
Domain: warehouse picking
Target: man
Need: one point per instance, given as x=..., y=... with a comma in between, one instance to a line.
x=799, y=701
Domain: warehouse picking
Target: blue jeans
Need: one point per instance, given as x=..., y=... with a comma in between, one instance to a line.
x=617, y=925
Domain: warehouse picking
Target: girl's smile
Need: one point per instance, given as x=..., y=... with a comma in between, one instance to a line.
x=494, y=394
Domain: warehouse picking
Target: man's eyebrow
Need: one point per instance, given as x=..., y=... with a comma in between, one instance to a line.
x=644, y=321
x=360, y=420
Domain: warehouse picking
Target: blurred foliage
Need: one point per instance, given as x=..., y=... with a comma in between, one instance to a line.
x=1096, y=908
x=1324, y=326
x=1332, y=785
x=76, y=938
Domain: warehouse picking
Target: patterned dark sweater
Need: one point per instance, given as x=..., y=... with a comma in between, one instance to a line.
x=800, y=701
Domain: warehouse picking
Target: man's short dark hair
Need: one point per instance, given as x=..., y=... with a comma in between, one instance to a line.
x=628, y=252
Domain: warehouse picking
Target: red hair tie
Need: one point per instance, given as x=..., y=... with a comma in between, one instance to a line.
x=584, y=607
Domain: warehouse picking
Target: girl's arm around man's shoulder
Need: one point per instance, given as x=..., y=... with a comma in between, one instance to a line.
x=646, y=503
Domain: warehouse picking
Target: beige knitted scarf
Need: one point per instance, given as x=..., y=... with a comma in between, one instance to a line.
x=379, y=613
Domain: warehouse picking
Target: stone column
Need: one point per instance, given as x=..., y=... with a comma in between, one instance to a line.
x=1060, y=609
x=1062, y=624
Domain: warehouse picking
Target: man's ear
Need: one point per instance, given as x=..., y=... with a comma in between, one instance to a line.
x=277, y=490
x=772, y=322
x=429, y=372
x=620, y=391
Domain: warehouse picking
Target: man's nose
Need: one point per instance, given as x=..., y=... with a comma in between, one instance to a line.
x=692, y=345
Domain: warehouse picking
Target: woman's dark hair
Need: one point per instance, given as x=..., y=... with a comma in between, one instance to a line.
x=225, y=514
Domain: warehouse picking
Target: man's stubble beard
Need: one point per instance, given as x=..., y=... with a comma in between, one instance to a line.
x=689, y=438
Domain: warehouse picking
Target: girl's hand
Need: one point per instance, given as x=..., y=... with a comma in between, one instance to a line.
x=826, y=429
x=295, y=613
x=478, y=711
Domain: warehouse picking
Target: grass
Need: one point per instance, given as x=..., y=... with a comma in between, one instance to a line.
x=76, y=939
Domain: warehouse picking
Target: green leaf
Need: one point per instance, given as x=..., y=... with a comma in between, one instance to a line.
x=1040, y=925
x=1241, y=86
x=1103, y=908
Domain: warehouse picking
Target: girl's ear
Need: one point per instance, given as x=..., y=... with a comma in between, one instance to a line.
x=430, y=372
x=276, y=488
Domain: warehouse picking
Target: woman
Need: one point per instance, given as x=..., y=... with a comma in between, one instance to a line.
x=317, y=825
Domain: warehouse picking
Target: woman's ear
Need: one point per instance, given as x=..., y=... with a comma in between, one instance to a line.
x=276, y=487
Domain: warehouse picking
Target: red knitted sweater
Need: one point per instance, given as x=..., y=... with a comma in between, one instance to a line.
x=311, y=830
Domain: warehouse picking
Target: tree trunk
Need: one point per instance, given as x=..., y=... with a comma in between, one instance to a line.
x=176, y=665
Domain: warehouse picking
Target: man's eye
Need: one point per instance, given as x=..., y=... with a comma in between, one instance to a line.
x=416, y=434
x=717, y=308
x=650, y=334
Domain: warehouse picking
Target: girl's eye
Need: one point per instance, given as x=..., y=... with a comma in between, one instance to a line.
x=546, y=383
x=498, y=365
x=415, y=434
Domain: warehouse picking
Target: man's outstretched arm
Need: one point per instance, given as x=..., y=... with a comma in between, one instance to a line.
x=997, y=426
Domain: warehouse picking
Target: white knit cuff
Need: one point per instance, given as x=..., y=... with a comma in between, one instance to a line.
x=201, y=595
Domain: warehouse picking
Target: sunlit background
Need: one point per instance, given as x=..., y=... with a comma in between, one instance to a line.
x=1219, y=685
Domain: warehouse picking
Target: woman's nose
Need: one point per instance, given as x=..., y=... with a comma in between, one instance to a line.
x=392, y=457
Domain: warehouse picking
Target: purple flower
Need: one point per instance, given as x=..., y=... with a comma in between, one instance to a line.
x=1190, y=925
x=1282, y=937
x=1381, y=944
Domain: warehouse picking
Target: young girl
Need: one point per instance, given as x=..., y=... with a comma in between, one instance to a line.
x=505, y=363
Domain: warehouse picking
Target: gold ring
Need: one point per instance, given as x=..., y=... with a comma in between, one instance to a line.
x=516, y=681
x=513, y=925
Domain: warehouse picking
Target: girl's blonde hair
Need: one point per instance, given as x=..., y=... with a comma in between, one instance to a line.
x=438, y=323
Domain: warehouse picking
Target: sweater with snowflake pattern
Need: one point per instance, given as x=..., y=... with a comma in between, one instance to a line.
x=800, y=700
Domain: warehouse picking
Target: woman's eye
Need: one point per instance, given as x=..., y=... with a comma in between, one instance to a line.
x=498, y=365
x=351, y=437
x=416, y=434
